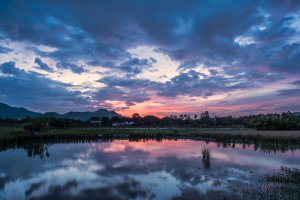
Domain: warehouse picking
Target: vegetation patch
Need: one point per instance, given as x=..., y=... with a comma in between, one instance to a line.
x=282, y=185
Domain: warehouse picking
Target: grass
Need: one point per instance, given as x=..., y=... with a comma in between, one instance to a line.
x=230, y=136
x=282, y=185
x=286, y=175
x=7, y=132
x=206, y=158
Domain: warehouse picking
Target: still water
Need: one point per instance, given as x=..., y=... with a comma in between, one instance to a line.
x=123, y=169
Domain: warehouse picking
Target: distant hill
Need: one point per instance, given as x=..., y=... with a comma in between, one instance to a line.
x=15, y=113
x=296, y=113
x=7, y=111
x=51, y=114
x=84, y=116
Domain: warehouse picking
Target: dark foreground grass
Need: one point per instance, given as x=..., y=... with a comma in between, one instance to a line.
x=284, y=185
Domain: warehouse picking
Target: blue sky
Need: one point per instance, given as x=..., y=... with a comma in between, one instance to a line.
x=153, y=57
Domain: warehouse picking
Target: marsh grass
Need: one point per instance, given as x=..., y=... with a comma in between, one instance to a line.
x=282, y=185
x=206, y=154
x=6, y=132
x=291, y=136
x=286, y=175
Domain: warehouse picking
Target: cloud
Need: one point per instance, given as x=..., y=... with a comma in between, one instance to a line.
x=33, y=90
x=131, y=83
x=74, y=68
x=189, y=35
x=5, y=50
x=289, y=92
x=130, y=98
x=42, y=65
x=296, y=82
x=136, y=65
x=9, y=68
x=187, y=31
x=190, y=83
x=193, y=83
x=129, y=90
x=272, y=48
x=241, y=44
x=293, y=107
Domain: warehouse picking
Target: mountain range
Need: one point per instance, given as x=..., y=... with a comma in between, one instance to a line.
x=9, y=112
x=296, y=113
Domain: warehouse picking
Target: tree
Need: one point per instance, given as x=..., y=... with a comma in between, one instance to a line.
x=204, y=118
x=151, y=120
x=137, y=119
x=116, y=119
x=136, y=115
x=106, y=121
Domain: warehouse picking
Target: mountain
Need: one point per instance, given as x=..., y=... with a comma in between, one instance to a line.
x=296, y=113
x=19, y=113
x=51, y=114
x=16, y=113
x=85, y=116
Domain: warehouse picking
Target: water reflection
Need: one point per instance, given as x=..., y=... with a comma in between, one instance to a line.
x=147, y=169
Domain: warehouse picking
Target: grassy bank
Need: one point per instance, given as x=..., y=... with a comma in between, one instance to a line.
x=13, y=133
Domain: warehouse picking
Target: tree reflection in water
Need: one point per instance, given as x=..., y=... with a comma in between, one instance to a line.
x=141, y=169
x=36, y=149
x=40, y=147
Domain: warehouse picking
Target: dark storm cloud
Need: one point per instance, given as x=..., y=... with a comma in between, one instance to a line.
x=42, y=65
x=32, y=89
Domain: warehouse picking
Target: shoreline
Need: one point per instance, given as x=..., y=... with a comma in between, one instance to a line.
x=145, y=133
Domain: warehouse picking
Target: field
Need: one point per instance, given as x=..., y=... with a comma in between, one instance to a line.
x=13, y=132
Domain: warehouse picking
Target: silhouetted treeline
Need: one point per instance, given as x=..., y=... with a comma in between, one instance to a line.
x=43, y=123
x=284, y=121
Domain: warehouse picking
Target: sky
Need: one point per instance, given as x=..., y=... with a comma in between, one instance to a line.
x=157, y=57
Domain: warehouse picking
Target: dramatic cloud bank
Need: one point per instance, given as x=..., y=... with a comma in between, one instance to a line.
x=159, y=57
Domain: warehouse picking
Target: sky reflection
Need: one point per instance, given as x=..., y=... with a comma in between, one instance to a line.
x=123, y=169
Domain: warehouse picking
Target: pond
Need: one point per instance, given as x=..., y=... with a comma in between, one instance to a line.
x=142, y=169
